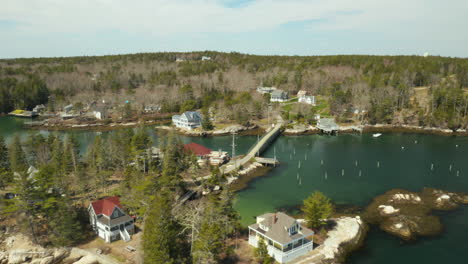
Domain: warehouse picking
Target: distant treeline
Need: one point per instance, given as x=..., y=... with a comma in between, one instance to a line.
x=383, y=85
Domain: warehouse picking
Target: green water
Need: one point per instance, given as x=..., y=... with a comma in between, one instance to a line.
x=11, y=126
x=408, y=168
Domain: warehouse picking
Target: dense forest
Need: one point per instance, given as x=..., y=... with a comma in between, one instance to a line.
x=426, y=91
x=54, y=183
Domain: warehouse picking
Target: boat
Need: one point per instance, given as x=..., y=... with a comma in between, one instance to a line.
x=377, y=135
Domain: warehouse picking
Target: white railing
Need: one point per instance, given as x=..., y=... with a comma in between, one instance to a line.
x=282, y=256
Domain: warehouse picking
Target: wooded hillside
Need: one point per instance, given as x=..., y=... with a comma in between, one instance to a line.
x=382, y=85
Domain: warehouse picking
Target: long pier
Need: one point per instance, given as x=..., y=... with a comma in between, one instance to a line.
x=253, y=153
x=256, y=150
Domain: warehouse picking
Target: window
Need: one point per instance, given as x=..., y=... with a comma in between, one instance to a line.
x=114, y=228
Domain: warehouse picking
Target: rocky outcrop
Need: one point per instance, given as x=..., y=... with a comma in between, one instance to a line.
x=300, y=129
x=17, y=249
x=218, y=132
x=407, y=214
x=347, y=236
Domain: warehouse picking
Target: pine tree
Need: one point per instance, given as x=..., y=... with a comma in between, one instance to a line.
x=317, y=207
x=5, y=173
x=206, y=122
x=17, y=156
x=64, y=227
x=261, y=253
x=173, y=164
x=160, y=233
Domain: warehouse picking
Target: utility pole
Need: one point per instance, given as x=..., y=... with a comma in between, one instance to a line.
x=234, y=149
x=234, y=144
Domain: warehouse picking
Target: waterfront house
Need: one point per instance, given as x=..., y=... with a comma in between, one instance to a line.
x=198, y=150
x=265, y=90
x=285, y=237
x=279, y=96
x=188, y=120
x=68, y=108
x=109, y=221
x=39, y=108
x=327, y=125
x=100, y=111
x=301, y=93
x=152, y=108
x=307, y=99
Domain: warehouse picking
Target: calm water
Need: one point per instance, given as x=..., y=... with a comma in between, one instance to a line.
x=383, y=165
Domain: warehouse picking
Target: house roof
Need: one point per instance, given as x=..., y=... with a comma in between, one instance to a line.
x=197, y=149
x=191, y=116
x=106, y=206
x=278, y=225
x=279, y=93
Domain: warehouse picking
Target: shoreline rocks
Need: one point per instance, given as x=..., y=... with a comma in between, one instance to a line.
x=347, y=236
x=407, y=214
x=218, y=132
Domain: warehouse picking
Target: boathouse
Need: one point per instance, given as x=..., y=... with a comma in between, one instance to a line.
x=285, y=237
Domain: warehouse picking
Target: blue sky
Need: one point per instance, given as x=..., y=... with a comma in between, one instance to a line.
x=50, y=28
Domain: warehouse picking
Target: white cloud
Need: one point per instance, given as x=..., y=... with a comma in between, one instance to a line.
x=416, y=19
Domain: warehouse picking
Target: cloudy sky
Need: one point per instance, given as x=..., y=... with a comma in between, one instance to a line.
x=45, y=28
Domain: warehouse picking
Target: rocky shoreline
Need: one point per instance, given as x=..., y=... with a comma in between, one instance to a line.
x=300, y=129
x=347, y=235
x=242, y=130
x=407, y=215
x=92, y=126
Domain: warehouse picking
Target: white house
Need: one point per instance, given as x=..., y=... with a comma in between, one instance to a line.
x=307, y=99
x=265, y=90
x=205, y=58
x=109, y=221
x=285, y=238
x=279, y=96
x=188, y=120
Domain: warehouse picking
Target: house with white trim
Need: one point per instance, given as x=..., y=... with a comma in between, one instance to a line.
x=188, y=120
x=109, y=221
x=307, y=99
x=285, y=237
x=279, y=96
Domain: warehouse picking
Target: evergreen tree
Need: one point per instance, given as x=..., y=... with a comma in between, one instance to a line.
x=161, y=232
x=17, y=156
x=5, y=173
x=64, y=227
x=317, y=207
x=261, y=253
x=173, y=163
x=4, y=162
x=206, y=121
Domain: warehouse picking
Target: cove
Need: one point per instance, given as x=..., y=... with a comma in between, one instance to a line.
x=388, y=162
x=408, y=168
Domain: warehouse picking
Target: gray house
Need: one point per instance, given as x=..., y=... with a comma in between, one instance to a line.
x=188, y=120
x=285, y=237
x=279, y=96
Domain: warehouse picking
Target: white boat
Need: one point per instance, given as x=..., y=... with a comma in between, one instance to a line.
x=377, y=135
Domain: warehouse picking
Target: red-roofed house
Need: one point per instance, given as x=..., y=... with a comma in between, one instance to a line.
x=109, y=221
x=198, y=150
